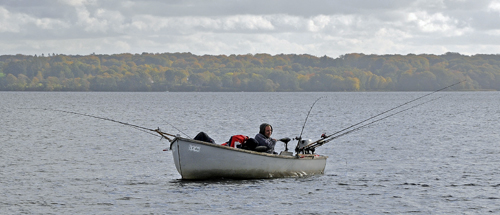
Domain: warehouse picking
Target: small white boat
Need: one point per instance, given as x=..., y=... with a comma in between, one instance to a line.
x=197, y=160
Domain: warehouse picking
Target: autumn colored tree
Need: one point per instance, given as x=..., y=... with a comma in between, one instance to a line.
x=259, y=72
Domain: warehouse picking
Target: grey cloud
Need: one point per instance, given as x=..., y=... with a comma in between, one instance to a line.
x=39, y=8
x=258, y=7
x=485, y=20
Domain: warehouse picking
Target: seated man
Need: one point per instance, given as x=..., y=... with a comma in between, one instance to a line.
x=264, y=137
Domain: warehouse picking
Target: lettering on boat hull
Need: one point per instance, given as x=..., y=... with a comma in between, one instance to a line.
x=194, y=148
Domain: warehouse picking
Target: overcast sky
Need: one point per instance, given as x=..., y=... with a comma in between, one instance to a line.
x=317, y=27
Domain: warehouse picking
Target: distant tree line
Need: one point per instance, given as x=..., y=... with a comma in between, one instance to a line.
x=259, y=72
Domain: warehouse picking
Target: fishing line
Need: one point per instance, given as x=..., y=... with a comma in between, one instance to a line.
x=140, y=128
x=176, y=129
x=380, y=114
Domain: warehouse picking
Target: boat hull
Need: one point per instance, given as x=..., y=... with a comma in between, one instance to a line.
x=196, y=160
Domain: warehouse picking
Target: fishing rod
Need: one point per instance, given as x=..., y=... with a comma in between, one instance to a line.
x=140, y=128
x=393, y=108
x=300, y=136
x=327, y=138
x=323, y=141
x=389, y=110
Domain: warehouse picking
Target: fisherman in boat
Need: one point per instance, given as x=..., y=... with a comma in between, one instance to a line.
x=263, y=138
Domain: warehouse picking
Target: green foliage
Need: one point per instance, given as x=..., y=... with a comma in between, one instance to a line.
x=259, y=72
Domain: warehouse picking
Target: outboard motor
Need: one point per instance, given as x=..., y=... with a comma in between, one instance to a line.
x=300, y=146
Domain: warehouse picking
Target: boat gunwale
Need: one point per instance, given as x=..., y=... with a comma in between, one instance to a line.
x=300, y=156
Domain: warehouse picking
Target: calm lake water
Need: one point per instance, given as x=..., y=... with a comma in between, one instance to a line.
x=442, y=157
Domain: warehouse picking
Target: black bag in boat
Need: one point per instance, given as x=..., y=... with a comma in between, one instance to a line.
x=250, y=144
x=202, y=136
